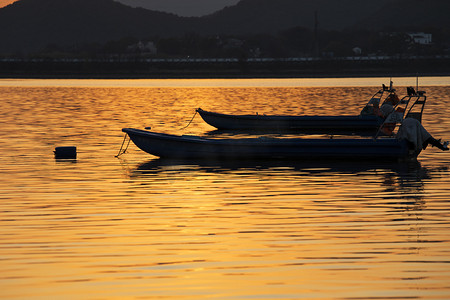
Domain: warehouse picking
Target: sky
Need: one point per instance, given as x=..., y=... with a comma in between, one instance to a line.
x=186, y=8
x=5, y=2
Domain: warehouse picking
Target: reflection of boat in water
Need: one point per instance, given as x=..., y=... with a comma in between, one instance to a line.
x=363, y=123
x=153, y=166
x=405, y=177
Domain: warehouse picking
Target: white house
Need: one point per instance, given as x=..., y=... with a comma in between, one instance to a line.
x=421, y=38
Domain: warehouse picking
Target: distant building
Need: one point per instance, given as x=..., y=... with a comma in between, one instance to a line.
x=421, y=38
x=357, y=51
x=144, y=48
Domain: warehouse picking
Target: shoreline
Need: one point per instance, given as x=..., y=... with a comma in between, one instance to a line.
x=141, y=69
x=132, y=76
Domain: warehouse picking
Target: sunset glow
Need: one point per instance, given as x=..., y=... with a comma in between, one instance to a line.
x=142, y=227
x=224, y=149
x=3, y=3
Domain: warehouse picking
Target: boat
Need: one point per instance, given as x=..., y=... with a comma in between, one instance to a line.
x=385, y=147
x=277, y=123
x=362, y=123
x=193, y=147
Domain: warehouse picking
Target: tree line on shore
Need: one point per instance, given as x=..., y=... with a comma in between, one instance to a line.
x=295, y=42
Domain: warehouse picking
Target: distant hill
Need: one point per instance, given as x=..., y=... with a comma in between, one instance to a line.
x=31, y=24
x=28, y=25
x=409, y=14
x=250, y=16
x=187, y=8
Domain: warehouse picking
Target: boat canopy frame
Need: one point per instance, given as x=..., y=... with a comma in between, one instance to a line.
x=410, y=106
x=378, y=96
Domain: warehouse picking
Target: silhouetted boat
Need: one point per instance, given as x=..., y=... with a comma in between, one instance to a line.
x=277, y=123
x=193, y=147
x=363, y=123
x=376, y=148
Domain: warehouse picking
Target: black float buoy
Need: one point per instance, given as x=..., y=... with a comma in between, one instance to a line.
x=66, y=152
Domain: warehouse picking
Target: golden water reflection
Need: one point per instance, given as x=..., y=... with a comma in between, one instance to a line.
x=142, y=227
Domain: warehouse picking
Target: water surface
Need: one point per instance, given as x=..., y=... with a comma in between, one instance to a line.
x=139, y=227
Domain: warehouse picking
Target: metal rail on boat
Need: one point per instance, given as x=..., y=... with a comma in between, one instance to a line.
x=410, y=106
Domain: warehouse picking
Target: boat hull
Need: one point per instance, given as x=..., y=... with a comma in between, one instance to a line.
x=330, y=124
x=190, y=147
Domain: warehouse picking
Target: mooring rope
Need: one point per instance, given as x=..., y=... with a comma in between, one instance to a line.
x=123, y=150
x=190, y=121
x=123, y=143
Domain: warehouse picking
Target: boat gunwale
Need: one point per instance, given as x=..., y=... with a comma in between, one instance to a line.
x=265, y=141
